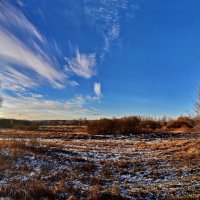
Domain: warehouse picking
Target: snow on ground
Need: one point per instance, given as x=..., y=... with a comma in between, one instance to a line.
x=136, y=167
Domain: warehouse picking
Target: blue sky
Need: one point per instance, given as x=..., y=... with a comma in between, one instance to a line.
x=65, y=59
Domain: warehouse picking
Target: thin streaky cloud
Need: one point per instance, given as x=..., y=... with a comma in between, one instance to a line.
x=83, y=65
x=37, y=106
x=106, y=16
x=11, y=76
x=12, y=17
x=14, y=51
x=28, y=53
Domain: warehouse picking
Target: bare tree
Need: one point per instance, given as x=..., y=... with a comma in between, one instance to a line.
x=197, y=103
x=197, y=110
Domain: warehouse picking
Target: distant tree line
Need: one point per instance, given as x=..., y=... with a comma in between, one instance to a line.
x=18, y=124
x=123, y=125
x=33, y=125
x=135, y=124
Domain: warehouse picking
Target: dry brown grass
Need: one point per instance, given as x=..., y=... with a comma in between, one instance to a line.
x=97, y=193
x=29, y=190
x=5, y=163
x=115, y=168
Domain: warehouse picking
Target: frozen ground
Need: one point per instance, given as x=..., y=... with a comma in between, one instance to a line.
x=51, y=165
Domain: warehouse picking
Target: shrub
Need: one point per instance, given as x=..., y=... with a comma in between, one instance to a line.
x=149, y=124
x=113, y=126
x=181, y=122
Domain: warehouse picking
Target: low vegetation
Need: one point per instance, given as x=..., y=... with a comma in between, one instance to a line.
x=34, y=125
x=127, y=125
x=99, y=167
x=108, y=159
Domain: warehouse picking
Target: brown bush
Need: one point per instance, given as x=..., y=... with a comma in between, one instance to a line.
x=149, y=124
x=181, y=122
x=113, y=126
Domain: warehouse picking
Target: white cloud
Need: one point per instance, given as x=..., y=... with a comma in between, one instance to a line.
x=13, y=51
x=27, y=54
x=73, y=83
x=12, y=17
x=36, y=95
x=10, y=76
x=82, y=65
x=76, y=103
x=21, y=3
x=106, y=17
x=26, y=60
x=35, y=107
x=97, y=89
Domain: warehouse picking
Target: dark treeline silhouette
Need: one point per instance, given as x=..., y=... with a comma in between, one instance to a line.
x=136, y=124
x=18, y=124
x=33, y=125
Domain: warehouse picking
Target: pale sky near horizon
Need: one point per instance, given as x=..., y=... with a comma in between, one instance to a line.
x=65, y=59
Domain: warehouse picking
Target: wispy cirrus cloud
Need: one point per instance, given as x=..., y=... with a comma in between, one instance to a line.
x=38, y=107
x=30, y=58
x=106, y=16
x=28, y=52
x=12, y=18
x=15, y=80
x=82, y=65
x=26, y=62
x=15, y=52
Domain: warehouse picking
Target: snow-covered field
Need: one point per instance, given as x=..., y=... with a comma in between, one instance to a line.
x=51, y=165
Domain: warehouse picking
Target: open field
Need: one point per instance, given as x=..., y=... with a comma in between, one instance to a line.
x=55, y=164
